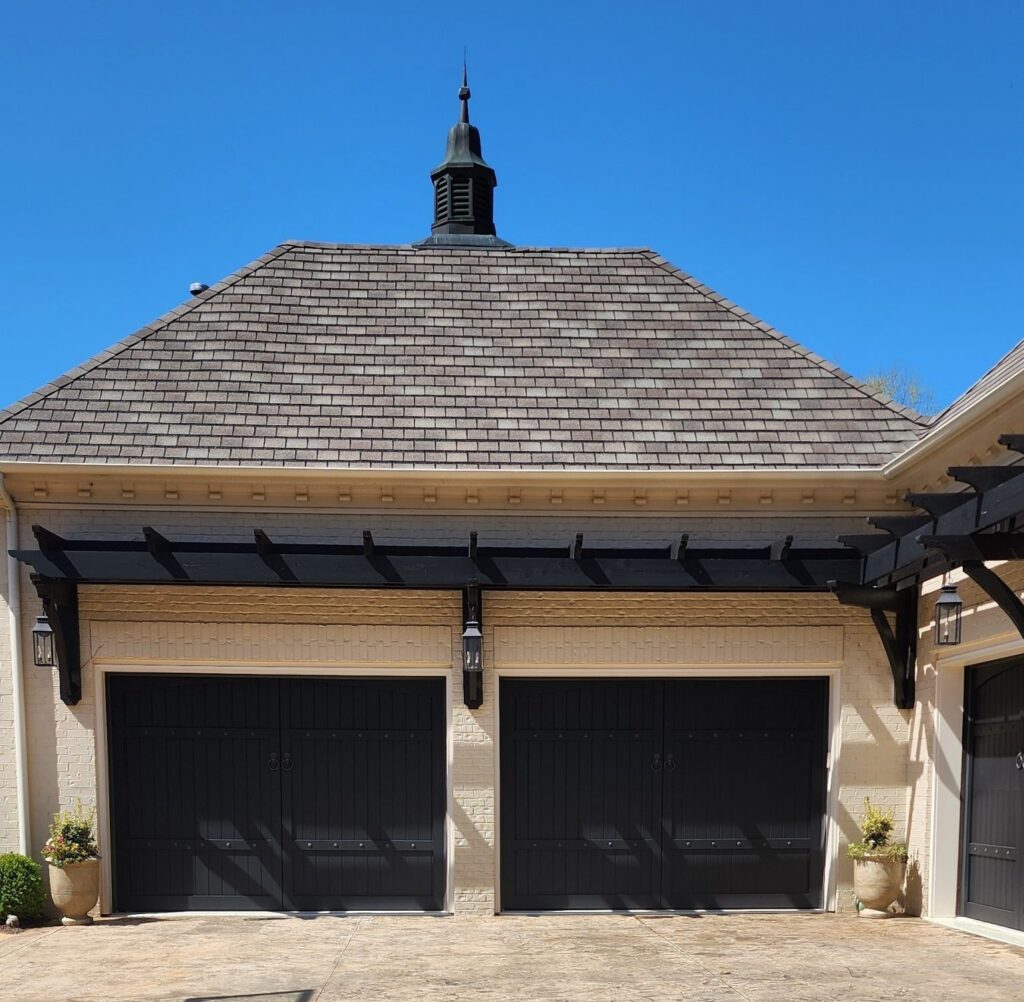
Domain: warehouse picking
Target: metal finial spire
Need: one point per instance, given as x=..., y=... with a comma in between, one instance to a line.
x=464, y=92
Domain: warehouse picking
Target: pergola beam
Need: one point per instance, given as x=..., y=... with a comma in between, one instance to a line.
x=158, y=560
x=979, y=546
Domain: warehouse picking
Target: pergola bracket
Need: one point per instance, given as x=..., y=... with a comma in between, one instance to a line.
x=899, y=638
x=997, y=590
x=60, y=606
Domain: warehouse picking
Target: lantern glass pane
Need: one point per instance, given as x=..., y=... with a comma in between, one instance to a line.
x=42, y=647
x=948, y=622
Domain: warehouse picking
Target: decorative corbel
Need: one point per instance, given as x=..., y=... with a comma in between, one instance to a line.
x=997, y=590
x=899, y=638
x=60, y=606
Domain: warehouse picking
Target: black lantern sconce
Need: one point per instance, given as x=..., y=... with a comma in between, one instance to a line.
x=42, y=643
x=949, y=610
x=472, y=649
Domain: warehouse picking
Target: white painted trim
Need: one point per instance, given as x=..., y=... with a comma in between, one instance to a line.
x=947, y=764
x=442, y=475
x=945, y=430
x=324, y=670
x=17, y=671
x=830, y=834
x=821, y=509
x=986, y=930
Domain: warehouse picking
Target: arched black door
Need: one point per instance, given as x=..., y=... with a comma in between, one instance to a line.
x=991, y=875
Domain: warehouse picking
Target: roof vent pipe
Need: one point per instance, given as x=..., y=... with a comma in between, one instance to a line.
x=196, y=287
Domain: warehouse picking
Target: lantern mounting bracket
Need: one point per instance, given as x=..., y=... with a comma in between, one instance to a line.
x=899, y=638
x=997, y=590
x=60, y=606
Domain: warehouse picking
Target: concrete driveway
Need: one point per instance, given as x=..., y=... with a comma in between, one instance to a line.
x=777, y=958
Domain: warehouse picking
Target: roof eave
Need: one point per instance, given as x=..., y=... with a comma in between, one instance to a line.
x=945, y=431
x=415, y=474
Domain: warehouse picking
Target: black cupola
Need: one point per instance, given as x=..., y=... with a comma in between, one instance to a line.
x=464, y=186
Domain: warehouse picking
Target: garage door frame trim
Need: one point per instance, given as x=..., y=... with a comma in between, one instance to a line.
x=833, y=742
x=103, y=805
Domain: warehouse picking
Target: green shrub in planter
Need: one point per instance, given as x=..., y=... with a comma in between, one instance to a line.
x=876, y=829
x=21, y=887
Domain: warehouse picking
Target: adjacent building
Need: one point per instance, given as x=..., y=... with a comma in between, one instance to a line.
x=460, y=576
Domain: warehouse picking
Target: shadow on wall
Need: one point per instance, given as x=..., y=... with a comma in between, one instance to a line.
x=913, y=893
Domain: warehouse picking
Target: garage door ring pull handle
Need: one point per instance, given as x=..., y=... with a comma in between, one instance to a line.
x=670, y=762
x=286, y=762
x=656, y=762
x=1020, y=760
x=272, y=764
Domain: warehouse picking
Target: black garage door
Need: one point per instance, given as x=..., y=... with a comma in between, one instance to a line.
x=678, y=793
x=991, y=877
x=304, y=794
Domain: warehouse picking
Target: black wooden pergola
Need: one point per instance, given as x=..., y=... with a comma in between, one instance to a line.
x=957, y=528
x=61, y=565
x=879, y=571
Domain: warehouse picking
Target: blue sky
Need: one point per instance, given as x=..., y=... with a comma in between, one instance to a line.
x=850, y=172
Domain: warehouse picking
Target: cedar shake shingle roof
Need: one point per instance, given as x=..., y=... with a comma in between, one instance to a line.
x=406, y=357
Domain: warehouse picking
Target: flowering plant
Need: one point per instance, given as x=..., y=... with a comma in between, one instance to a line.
x=71, y=837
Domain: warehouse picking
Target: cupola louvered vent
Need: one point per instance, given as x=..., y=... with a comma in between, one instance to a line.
x=441, y=190
x=483, y=201
x=460, y=198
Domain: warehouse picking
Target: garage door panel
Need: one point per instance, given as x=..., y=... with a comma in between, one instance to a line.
x=710, y=796
x=744, y=792
x=363, y=780
x=754, y=786
x=364, y=878
x=553, y=876
x=217, y=805
x=577, y=767
x=741, y=871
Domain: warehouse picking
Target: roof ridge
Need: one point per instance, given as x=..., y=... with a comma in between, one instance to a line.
x=811, y=356
x=183, y=309
x=512, y=249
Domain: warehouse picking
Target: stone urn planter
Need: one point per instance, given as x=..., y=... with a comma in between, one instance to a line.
x=877, y=879
x=75, y=888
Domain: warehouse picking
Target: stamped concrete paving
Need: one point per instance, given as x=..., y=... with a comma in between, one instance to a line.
x=781, y=958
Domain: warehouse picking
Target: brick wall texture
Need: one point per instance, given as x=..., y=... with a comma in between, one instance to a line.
x=226, y=628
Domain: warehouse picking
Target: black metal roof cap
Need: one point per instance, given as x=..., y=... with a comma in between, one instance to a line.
x=463, y=182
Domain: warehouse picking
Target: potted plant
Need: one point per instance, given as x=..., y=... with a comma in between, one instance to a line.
x=74, y=865
x=877, y=863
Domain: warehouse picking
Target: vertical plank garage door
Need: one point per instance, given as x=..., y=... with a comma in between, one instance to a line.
x=676, y=793
x=991, y=874
x=297, y=794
